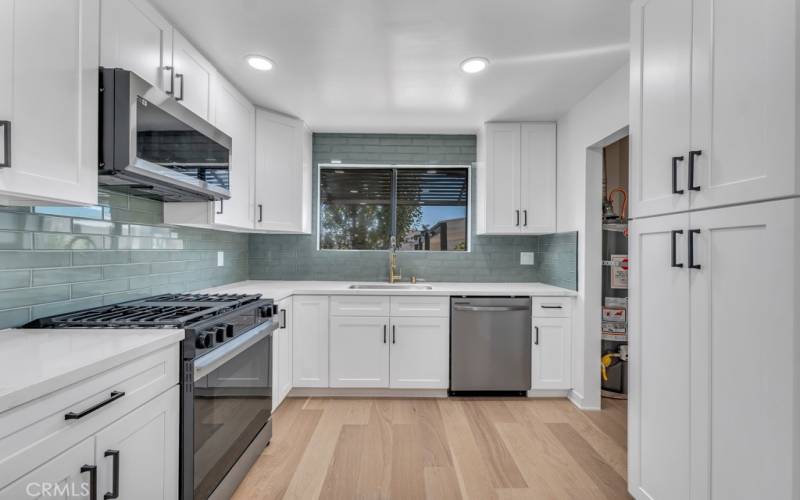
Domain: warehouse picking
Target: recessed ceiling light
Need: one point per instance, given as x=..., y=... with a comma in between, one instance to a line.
x=260, y=63
x=474, y=65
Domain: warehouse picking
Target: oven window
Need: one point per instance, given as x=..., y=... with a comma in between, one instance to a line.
x=164, y=140
x=231, y=406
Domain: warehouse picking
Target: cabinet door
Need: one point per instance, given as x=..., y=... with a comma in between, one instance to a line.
x=286, y=318
x=283, y=179
x=279, y=340
x=310, y=341
x=61, y=477
x=134, y=36
x=193, y=75
x=49, y=52
x=234, y=115
x=551, y=358
x=660, y=352
x=660, y=104
x=420, y=353
x=744, y=101
x=359, y=352
x=502, y=171
x=744, y=351
x=538, y=178
x=146, y=442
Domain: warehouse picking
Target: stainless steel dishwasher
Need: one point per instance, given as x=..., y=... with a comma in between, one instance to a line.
x=490, y=344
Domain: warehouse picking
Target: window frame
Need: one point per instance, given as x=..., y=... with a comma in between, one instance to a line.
x=387, y=166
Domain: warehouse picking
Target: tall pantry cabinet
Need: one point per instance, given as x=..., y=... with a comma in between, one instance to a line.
x=714, y=410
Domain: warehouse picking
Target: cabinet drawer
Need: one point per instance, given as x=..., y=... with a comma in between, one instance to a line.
x=36, y=430
x=421, y=306
x=551, y=307
x=359, y=305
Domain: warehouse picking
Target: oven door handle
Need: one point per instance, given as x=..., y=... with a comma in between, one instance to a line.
x=209, y=362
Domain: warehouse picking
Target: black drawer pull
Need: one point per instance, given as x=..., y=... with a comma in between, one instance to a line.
x=536, y=329
x=674, y=234
x=551, y=307
x=692, y=156
x=6, y=144
x=115, y=395
x=675, y=160
x=114, y=493
x=92, y=470
x=692, y=265
x=171, y=70
x=180, y=76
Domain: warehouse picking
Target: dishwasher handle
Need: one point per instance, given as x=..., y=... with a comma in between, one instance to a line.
x=491, y=308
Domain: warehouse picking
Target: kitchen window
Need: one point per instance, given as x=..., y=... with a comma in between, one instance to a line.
x=414, y=208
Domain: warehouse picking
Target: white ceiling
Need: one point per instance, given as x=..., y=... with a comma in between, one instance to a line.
x=393, y=65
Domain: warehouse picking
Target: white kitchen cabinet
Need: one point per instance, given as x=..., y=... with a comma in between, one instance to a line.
x=145, y=445
x=232, y=113
x=359, y=351
x=516, y=179
x=714, y=353
x=49, y=52
x=551, y=359
x=70, y=473
x=713, y=91
x=420, y=353
x=193, y=76
x=282, y=354
x=310, y=341
x=283, y=174
x=134, y=36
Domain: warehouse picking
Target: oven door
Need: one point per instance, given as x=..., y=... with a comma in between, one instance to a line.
x=232, y=404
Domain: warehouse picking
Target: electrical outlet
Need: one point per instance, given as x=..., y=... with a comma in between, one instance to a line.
x=526, y=258
x=220, y=259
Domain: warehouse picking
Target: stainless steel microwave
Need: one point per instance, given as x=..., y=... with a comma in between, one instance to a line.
x=151, y=145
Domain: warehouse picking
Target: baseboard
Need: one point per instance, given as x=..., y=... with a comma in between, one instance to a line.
x=577, y=399
x=342, y=392
x=547, y=393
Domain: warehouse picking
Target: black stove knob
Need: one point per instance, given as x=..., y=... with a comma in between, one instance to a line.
x=220, y=334
x=265, y=311
x=204, y=340
x=229, y=330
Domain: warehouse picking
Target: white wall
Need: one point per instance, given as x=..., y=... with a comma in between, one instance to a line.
x=595, y=121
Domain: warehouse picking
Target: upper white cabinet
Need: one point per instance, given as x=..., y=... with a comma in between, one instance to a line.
x=516, y=178
x=310, y=341
x=283, y=174
x=713, y=103
x=193, y=76
x=710, y=289
x=48, y=102
x=232, y=113
x=134, y=36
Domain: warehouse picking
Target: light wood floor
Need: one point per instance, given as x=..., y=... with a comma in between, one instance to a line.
x=441, y=449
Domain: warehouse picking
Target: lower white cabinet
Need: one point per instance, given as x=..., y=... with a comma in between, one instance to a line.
x=282, y=354
x=144, y=445
x=714, y=353
x=420, y=353
x=359, y=352
x=310, y=341
x=551, y=360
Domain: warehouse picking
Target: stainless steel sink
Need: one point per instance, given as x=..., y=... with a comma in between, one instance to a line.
x=392, y=286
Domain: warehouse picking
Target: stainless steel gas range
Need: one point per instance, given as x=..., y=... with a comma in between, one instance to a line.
x=226, y=378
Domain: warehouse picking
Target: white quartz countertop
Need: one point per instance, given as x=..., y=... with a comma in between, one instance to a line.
x=34, y=363
x=278, y=290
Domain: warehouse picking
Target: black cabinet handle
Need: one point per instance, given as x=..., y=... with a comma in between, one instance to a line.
x=171, y=70
x=260, y=212
x=283, y=319
x=384, y=334
x=92, y=470
x=674, y=235
x=692, y=265
x=536, y=341
x=394, y=340
x=179, y=76
x=525, y=218
x=115, y=395
x=692, y=156
x=550, y=307
x=6, y=143
x=517, y=211
x=221, y=207
x=115, y=474
x=675, y=160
